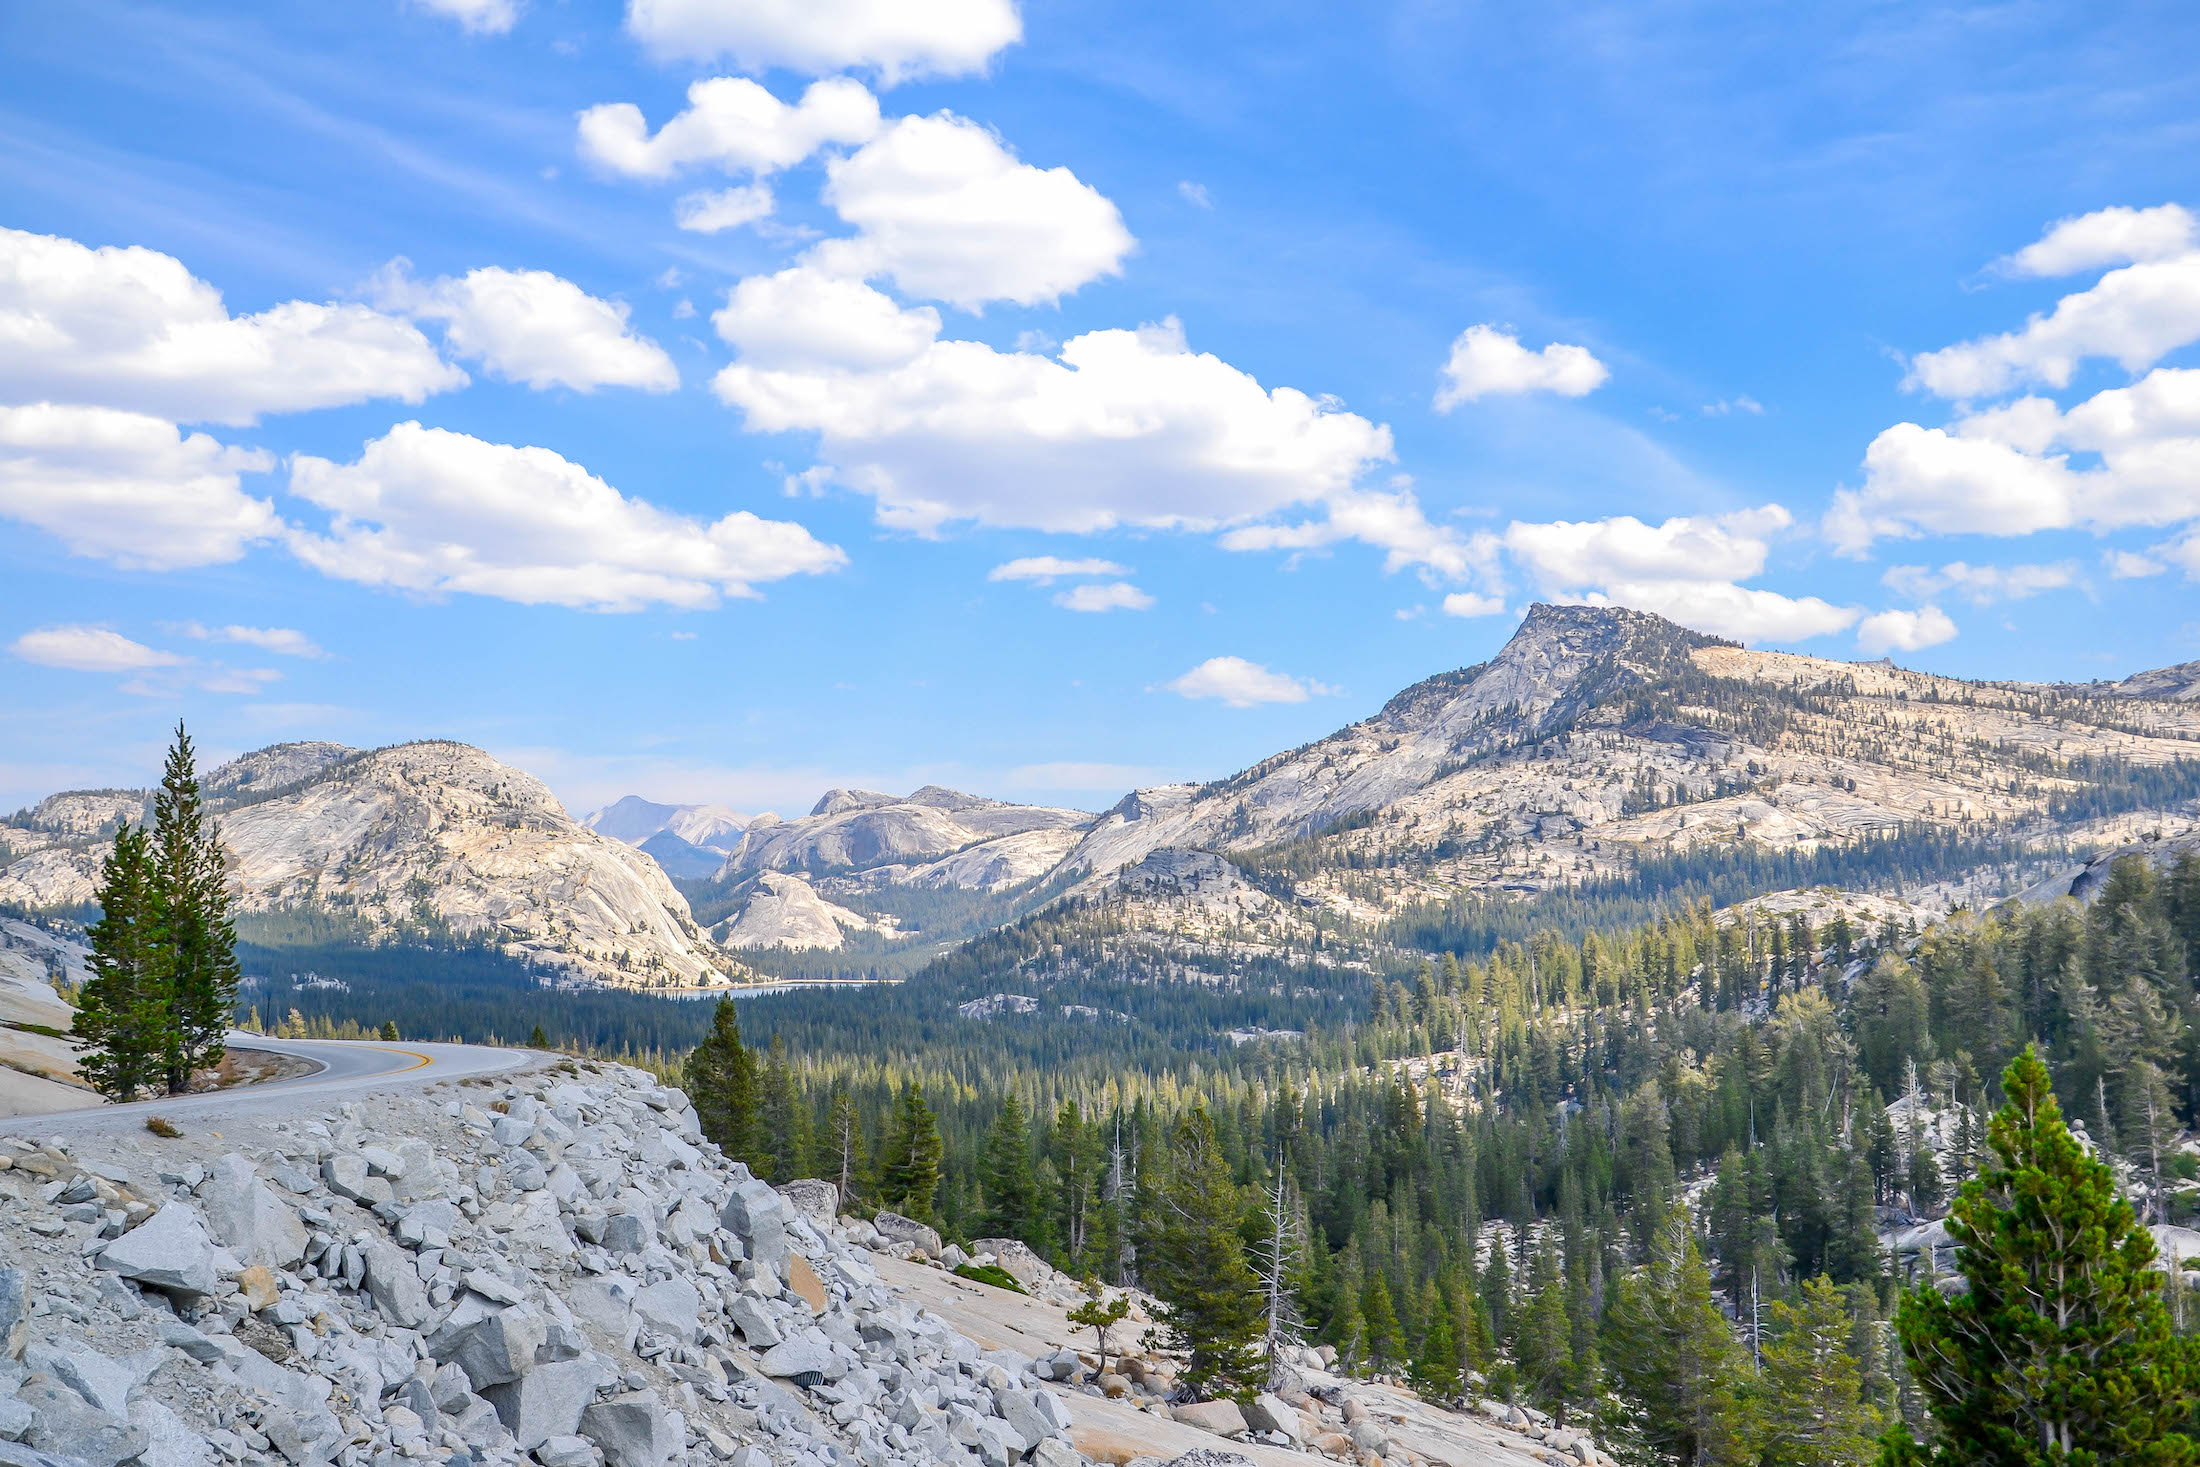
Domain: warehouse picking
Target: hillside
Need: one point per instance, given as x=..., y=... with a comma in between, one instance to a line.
x=428, y=839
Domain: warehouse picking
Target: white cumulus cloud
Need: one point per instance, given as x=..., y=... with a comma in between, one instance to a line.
x=1103, y=596
x=1487, y=361
x=1473, y=603
x=534, y=327
x=1119, y=428
x=805, y=322
x=2105, y=237
x=433, y=512
x=1685, y=547
x=128, y=488
x=1687, y=568
x=732, y=124
x=1904, y=631
x=127, y=327
x=2008, y=470
x=2133, y=315
x=713, y=211
x=89, y=649
x=895, y=38
x=1238, y=683
x=947, y=212
x=1047, y=568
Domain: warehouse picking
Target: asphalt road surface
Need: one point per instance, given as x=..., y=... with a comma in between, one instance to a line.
x=348, y=1067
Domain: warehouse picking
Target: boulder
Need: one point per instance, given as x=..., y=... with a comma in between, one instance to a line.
x=895, y=1228
x=259, y=1288
x=1015, y=1258
x=803, y=1280
x=15, y=1312
x=633, y=1430
x=347, y=1175
x=546, y=1402
x=492, y=1344
x=807, y=1354
x=394, y=1285
x=306, y=1438
x=72, y=1428
x=1270, y=1412
x=672, y=1308
x=1034, y=1416
x=169, y=1251
x=755, y=1322
x=1223, y=1418
x=246, y=1217
x=757, y=1215
x=818, y=1201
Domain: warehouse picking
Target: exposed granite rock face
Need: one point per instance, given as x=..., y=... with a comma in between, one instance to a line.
x=429, y=831
x=1594, y=738
x=786, y=911
x=862, y=828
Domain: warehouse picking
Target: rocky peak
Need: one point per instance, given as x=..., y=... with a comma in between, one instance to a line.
x=277, y=767
x=939, y=797
x=841, y=801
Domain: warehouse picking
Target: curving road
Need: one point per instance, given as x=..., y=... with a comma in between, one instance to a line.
x=346, y=1067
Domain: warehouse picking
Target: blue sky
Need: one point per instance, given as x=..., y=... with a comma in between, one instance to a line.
x=1050, y=399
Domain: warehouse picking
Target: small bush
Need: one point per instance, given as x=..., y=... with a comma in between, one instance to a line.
x=986, y=1273
x=164, y=1127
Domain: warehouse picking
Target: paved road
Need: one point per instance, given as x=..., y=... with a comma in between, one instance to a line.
x=346, y=1068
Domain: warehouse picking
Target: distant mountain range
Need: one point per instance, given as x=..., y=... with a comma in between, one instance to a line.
x=1600, y=750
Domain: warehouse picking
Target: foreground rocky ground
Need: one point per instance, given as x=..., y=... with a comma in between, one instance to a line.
x=555, y=1269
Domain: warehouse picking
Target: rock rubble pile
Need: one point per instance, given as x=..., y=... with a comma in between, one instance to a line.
x=558, y=1270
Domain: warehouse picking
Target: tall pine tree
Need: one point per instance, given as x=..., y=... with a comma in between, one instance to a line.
x=2060, y=1349
x=1011, y=1190
x=122, y=1011
x=720, y=1077
x=909, y=1167
x=192, y=907
x=1211, y=1301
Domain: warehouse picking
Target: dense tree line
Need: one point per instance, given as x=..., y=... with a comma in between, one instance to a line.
x=1692, y=1133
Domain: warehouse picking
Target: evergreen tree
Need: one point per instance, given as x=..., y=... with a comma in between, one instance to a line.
x=1385, y=1342
x=1812, y=1409
x=122, y=1011
x=909, y=1170
x=1435, y=1370
x=2060, y=1349
x=1011, y=1188
x=192, y=906
x=1211, y=1302
x=1675, y=1356
x=720, y=1078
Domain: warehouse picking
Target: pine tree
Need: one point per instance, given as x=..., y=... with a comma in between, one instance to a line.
x=192, y=904
x=1211, y=1304
x=909, y=1170
x=1385, y=1342
x=1675, y=1356
x=1542, y=1342
x=1812, y=1411
x=389, y=1031
x=1435, y=1369
x=1011, y=1188
x=2060, y=1349
x=122, y=1011
x=720, y=1077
